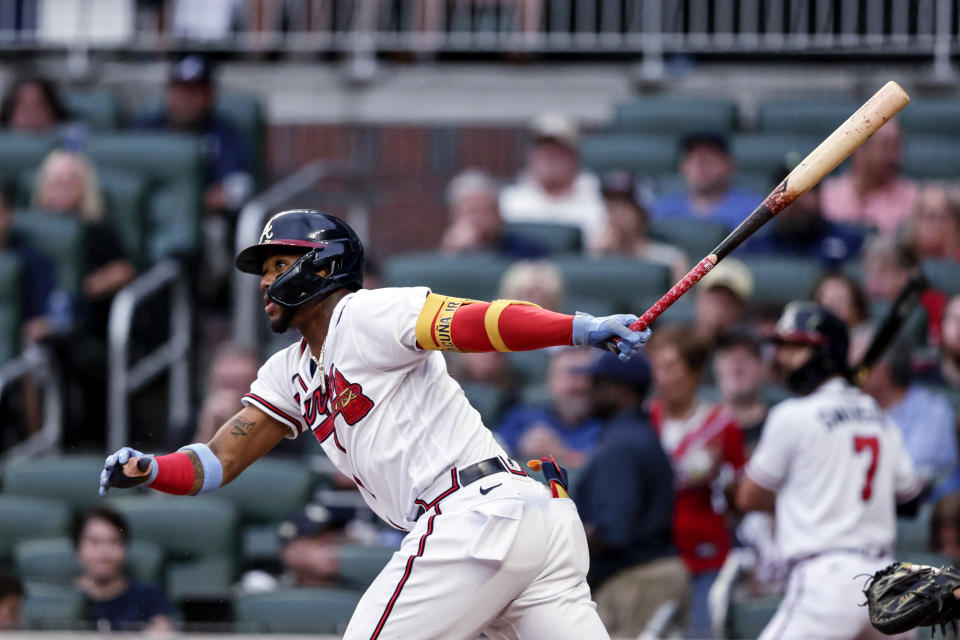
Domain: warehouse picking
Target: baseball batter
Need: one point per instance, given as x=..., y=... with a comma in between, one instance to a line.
x=489, y=549
x=834, y=466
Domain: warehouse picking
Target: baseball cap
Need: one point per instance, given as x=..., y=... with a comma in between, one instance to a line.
x=709, y=139
x=618, y=183
x=634, y=372
x=312, y=520
x=556, y=127
x=731, y=274
x=192, y=69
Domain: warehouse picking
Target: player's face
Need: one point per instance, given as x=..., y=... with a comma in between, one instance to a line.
x=280, y=317
x=790, y=356
x=101, y=550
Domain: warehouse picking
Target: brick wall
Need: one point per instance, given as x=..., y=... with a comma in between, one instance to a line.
x=405, y=168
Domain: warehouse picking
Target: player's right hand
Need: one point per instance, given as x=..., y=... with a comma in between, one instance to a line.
x=126, y=468
x=590, y=331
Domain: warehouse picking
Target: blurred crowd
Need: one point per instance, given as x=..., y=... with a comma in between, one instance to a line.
x=653, y=446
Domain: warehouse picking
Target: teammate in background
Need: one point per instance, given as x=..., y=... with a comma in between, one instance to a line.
x=872, y=192
x=488, y=549
x=705, y=446
x=708, y=170
x=552, y=186
x=831, y=465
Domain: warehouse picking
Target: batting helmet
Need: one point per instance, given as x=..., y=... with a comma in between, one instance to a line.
x=327, y=242
x=810, y=324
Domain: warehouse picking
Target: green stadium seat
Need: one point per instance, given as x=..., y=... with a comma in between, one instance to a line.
x=760, y=183
x=530, y=366
x=55, y=561
x=624, y=282
x=913, y=534
x=676, y=115
x=556, y=238
x=29, y=518
x=206, y=578
x=931, y=157
x=10, y=270
x=61, y=238
x=777, y=281
x=474, y=276
x=643, y=154
x=75, y=481
x=819, y=117
x=535, y=395
x=53, y=606
x=187, y=528
x=269, y=490
x=931, y=117
x=696, y=238
x=313, y=611
x=486, y=399
x=590, y=304
x=245, y=112
x=97, y=108
x=746, y=618
x=682, y=312
x=762, y=153
x=360, y=564
x=259, y=543
x=22, y=152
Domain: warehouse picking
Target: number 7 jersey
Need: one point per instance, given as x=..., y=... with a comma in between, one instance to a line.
x=838, y=465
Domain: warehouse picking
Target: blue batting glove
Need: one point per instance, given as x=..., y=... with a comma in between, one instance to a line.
x=589, y=331
x=113, y=475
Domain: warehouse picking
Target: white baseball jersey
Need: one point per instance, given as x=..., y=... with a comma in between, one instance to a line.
x=838, y=465
x=386, y=412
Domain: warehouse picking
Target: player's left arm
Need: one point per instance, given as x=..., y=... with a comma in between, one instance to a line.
x=752, y=497
x=456, y=324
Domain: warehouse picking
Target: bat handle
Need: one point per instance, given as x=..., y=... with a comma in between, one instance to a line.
x=693, y=277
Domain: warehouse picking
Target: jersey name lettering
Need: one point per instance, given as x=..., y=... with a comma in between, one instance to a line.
x=836, y=416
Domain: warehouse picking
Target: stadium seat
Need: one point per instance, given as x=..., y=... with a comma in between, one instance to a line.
x=20, y=152
x=53, y=606
x=75, y=481
x=206, y=578
x=643, y=154
x=764, y=153
x=29, y=518
x=928, y=116
x=913, y=534
x=931, y=157
x=556, y=238
x=530, y=366
x=747, y=617
x=696, y=238
x=54, y=560
x=591, y=304
x=360, y=564
x=269, y=490
x=61, y=239
x=676, y=115
x=486, y=399
x=187, y=528
x=97, y=108
x=624, y=282
x=798, y=115
x=245, y=112
x=474, y=276
x=174, y=166
x=313, y=611
x=10, y=280
x=777, y=281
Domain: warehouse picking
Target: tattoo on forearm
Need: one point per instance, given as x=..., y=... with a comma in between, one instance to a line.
x=241, y=427
x=197, y=472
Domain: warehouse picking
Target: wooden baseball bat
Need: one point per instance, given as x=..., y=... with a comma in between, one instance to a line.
x=864, y=122
x=896, y=316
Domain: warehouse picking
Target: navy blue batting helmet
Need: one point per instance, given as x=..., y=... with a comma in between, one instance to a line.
x=327, y=242
x=811, y=324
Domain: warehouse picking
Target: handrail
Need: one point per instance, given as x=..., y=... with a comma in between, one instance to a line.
x=37, y=362
x=246, y=299
x=125, y=378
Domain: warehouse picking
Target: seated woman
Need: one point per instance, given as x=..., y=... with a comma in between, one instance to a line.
x=31, y=105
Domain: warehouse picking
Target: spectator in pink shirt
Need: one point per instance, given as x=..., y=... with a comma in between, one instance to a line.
x=872, y=192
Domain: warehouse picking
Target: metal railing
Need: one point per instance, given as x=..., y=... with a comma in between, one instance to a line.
x=362, y=28
x=126, y=378
x=36, y=364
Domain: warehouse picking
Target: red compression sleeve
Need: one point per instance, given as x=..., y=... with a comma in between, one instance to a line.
x=175, y=474
x=522, y=328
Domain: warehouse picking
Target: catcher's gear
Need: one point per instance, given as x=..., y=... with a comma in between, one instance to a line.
x=811, y=324
x=589, y=331
x=113, y=475
x=328, y=244
x=904, y=596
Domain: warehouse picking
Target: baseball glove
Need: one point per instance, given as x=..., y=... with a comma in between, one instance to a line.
x=903, y=596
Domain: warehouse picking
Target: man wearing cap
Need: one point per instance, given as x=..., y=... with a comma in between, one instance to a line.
x=722, y=299
x=625, y=496
x=552, y=187
x=709, y=194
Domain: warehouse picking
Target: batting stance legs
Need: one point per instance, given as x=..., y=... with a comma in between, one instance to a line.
x=511, y=563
